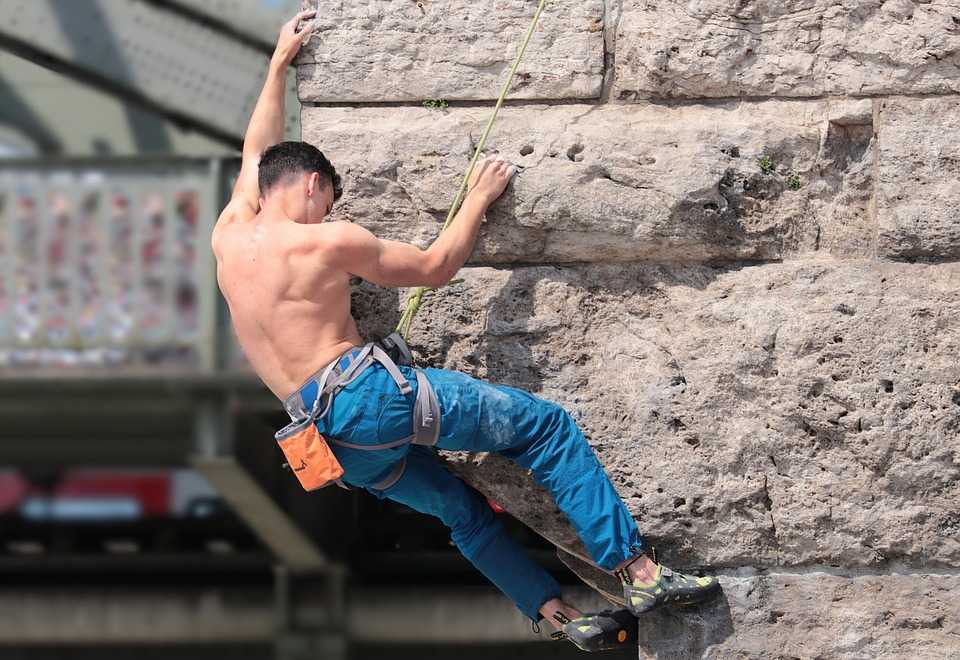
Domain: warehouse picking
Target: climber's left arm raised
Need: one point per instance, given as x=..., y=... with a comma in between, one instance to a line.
x=267, y=121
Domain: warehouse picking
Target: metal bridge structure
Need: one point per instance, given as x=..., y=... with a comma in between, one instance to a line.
x=115, y=348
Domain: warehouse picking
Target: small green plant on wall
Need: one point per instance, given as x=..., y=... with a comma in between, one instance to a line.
x=436, y=104
x=766, y=165
x=793, y=181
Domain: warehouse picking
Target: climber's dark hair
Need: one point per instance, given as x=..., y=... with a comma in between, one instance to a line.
x=286, y=159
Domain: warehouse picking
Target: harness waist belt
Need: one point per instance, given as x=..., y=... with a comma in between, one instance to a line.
x=333, y=378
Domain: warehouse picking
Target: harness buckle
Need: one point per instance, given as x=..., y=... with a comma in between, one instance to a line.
x=396, y=347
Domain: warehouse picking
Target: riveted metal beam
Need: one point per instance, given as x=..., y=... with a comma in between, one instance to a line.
x=257, y=22
x=185, y=69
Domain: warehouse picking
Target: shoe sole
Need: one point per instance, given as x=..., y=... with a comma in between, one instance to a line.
x=622, y=633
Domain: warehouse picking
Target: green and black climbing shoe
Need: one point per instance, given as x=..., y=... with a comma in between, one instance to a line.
x=668, y=587
x=603, y=631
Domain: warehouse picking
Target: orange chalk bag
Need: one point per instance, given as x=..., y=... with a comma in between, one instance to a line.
x=308, y=454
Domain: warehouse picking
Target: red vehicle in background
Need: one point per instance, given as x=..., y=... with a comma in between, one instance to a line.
x=107, y=495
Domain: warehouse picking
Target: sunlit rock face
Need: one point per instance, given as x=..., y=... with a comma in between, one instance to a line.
x=619, y=182
x=690, y=49
x=410, y=50
x=735, y=264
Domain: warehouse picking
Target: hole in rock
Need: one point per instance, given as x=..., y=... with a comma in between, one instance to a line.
x=845, y=309
x=575, y=151
x=526, y=150
x=731, y=150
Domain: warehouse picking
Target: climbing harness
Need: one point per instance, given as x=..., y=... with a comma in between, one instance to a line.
x=308, y=453
x=416, y=296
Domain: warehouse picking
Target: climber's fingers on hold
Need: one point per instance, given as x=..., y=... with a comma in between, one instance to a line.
x=289, y=41
x=308, y=26
x=300, y=16
x=504, y=168
x=290, y=27
x=480, y=168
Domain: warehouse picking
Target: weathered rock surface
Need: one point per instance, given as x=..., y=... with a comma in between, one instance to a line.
x=404, y=50
x=728, y=48
x=918, y=197
x=780, y=415
x=616, y=183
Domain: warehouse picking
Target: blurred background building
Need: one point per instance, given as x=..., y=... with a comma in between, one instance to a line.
x=143, y=507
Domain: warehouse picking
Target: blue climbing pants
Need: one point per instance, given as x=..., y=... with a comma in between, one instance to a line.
x=481, y=417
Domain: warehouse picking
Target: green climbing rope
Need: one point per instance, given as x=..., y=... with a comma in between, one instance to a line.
x=416, y=296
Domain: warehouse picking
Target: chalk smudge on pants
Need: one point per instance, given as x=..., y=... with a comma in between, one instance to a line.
x=496, y=417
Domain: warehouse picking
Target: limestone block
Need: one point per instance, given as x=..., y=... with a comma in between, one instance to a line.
x=618, y=182
x=918, y=196
x=404, y=50
x=808, y=614
x=797, y=413
x=728, y=48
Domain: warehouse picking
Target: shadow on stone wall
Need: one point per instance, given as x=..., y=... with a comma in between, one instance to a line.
x=503, y=353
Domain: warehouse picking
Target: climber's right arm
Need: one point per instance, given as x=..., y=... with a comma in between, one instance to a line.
x=394, y=264
x=353, y=249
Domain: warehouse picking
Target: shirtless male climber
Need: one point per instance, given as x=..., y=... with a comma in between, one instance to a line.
x=285, y=274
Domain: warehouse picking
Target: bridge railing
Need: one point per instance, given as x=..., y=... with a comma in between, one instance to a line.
x=105, y=266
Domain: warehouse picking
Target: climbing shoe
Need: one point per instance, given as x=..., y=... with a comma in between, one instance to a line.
x=667, y=587
x=603, y=631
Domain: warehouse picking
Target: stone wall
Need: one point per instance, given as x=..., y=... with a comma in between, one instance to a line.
x=731, y=253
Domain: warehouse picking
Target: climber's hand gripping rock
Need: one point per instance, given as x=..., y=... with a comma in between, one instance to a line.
x=290, y=40
x=490, y=178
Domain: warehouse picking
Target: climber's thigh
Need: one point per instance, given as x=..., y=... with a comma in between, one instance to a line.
x=481, y=416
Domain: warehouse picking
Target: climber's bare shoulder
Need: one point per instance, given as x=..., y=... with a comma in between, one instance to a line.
x=288, y=294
